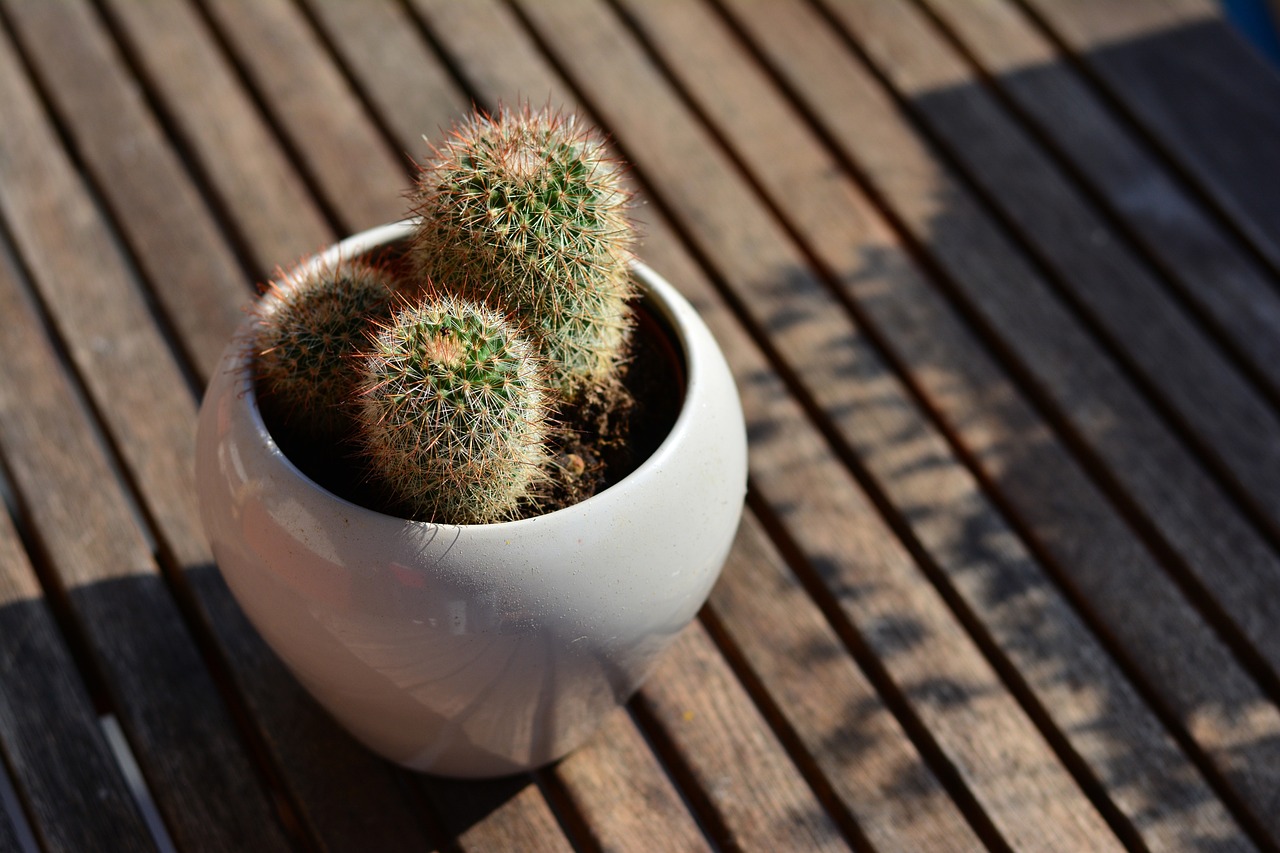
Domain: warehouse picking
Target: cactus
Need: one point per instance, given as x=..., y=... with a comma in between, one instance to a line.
x=453, y=413
x=526, y=211
x=309, y=329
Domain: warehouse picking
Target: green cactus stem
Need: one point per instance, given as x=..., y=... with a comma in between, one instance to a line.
x=308, y=333
x=453, y=413
x=526, y=211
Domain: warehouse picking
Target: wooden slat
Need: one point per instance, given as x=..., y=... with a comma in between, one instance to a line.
x=1211, y=270
x=49, y=734
x=832, y=707
x=412, y=94
x=330, y=136
x=831, y=520
x=621, y=810
x=219, y=131
x=1185, y=77
x=1014, y=449
x=165, y=223
x=501, y=814
x=1225, y=415
x=308, y=749
x=1196, y=518
x=757, y=795
x=168, y=705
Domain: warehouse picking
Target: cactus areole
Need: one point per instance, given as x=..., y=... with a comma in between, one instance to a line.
x=470, y=473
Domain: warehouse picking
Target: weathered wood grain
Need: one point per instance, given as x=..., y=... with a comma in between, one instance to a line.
x=620, y=809
x=329, y=134
x=49, y=735
x=1186, y=79
x=499, y=814
x=843, y=725
x=1090, y=545
x=1205, y=262
x=163, y=220
x=9, y=833
x=726, y=748
x=1190, y=380
x=411, y=92
x=242, y=167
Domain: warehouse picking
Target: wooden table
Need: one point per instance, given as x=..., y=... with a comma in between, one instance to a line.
x=1000, y=283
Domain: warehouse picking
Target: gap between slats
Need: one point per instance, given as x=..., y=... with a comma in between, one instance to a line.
x=137, y=785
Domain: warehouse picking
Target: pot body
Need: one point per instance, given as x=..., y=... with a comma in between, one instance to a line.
x=475, y=650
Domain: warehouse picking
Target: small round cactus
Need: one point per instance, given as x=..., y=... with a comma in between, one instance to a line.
x=453, y=414
x=309, y=330
x=526, y=211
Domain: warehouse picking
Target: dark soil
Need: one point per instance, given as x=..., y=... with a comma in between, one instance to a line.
x=597, y=442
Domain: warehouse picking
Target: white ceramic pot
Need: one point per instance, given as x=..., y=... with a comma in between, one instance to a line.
x=475, y=650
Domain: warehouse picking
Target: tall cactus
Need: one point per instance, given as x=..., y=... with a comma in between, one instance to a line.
x=526, y=210
x=453, y=412
x=309, y=330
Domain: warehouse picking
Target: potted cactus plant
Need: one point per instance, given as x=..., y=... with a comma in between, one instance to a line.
x=469, y=473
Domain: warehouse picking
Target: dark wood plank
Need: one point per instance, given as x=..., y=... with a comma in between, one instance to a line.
x=829, y=517
x=499, y=814
x=1187, y=374
x=1206, y=263
x=829, y=703
x=1195, y=88
x=164, y=696
x=105, y=115
x=620, y=809
x=50, y=740
x=1015, y=450
x=759, y=799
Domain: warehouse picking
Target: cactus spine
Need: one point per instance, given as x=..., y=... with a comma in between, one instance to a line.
x=526, y=211
x=308, y=332
x=453, y=412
